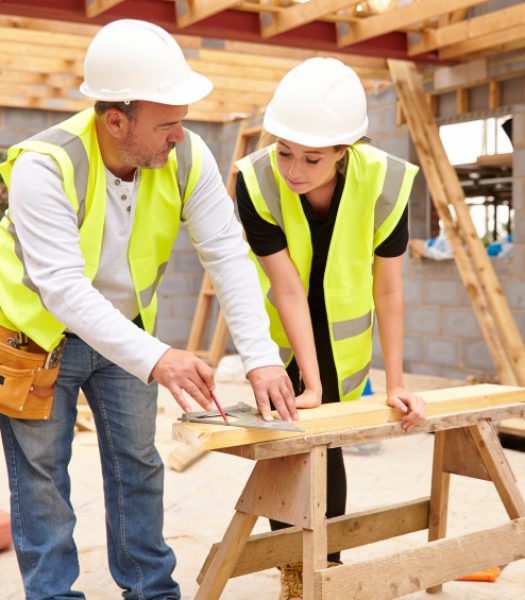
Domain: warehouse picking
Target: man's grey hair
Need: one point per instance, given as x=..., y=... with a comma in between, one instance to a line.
x=129, y=109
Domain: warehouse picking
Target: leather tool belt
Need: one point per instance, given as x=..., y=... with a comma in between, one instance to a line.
x=27, y=376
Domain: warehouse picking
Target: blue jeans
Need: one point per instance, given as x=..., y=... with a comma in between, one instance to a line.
x=37, y=456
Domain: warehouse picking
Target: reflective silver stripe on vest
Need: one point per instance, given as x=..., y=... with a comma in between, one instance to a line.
x=395, y=173
x=268, y=185
x=26, y=280
x=351, y=327
x=285, y=354
x=147, y=295
x=183, y=152
x=74, y=148
x=352, y=382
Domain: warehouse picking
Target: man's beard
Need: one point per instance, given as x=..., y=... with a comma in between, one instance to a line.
x=135, y=156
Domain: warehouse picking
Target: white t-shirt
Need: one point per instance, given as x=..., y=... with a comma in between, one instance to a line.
x=99, y=312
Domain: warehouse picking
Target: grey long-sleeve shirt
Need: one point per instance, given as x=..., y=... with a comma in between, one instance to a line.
x=100, y=312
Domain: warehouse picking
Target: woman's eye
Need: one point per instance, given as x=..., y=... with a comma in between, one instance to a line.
x=312, y=161
x=283, y=154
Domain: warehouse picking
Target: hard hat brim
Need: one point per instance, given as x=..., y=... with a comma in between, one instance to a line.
x=311, y=140
x=195, y=88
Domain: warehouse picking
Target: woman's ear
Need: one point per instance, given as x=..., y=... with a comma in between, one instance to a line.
x=340, y=152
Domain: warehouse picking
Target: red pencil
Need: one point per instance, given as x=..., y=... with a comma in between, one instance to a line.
x=214, y=398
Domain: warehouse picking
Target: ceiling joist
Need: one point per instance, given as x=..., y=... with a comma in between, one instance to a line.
x=393, y=20
x=191, y=11
x=273, y=23
x=469, y=29
x=96, y=7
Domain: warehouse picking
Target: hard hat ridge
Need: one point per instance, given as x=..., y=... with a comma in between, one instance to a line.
x=130, y=60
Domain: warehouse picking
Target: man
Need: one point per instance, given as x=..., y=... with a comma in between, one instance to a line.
x=95, y=205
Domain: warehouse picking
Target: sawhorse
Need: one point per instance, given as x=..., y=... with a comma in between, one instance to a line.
x=288, y=483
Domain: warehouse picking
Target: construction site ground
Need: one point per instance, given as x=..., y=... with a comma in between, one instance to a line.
x=199, y=503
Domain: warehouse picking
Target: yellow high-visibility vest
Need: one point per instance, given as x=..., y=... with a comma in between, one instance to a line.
x=73, y=144
x=376, y=190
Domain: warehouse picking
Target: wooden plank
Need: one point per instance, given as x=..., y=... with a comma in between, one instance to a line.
x=412, y=570
x=494, y=94
x=225, y=559
x=404, y=16
x=499, y=469
x=368, y=412
x=300, y=14
x=512, y=427
x=315, y=542
x=300, y=445
x=461, y=456
x=276, y=548
x=503, y=37
x=191, y=11
x=438, y=510
x=96, y=7
x=279, y=489
x=469, y=29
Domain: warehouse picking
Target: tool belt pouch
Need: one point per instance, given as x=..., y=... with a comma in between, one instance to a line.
x=26, y=387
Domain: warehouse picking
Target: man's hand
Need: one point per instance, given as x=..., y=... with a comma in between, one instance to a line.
x=180, y=370
x=272, y=383
x=411, y=405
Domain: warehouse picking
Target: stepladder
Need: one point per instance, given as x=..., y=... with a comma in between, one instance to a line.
x=207, y=305
x=288, y=483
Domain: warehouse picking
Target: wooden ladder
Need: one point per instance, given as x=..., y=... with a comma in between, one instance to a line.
x=497, y=324
x=207, y=298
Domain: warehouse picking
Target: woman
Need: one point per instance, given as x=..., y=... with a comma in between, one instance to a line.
x=326, y=215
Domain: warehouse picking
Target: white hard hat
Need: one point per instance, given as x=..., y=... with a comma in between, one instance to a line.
x=136, y=60
x=319, y=103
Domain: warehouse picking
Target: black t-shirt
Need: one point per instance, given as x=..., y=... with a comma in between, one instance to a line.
x=266, y=238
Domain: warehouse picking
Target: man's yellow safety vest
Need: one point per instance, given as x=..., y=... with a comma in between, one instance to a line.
x=73, y=144
x=376, y=190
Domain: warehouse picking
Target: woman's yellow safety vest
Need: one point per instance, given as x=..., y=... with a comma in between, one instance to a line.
x=73, y=144
x=376, y=190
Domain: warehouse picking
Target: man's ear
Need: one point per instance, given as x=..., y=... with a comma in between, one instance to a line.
x=116, y=122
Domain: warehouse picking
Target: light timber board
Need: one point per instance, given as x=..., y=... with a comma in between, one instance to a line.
x=367, y=412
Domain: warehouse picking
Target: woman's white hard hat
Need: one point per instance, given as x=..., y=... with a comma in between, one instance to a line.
x=319, y=103
x=136, y=60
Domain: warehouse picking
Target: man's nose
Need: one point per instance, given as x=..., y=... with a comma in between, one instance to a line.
x=177, y=135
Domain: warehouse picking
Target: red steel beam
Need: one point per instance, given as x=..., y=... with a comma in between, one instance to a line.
x=227, y=25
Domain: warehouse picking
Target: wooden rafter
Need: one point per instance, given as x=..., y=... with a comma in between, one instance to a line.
x=469, y=29
x=507, y=38
x=394, y=20
x=300, y=14
x=191, y=11
x=96, y=7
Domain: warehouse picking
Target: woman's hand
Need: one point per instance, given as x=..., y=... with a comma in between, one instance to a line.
x=310, y=398
x=411, y=405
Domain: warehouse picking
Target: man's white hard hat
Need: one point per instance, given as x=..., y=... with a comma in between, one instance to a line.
x=136, y=60
x=319, y=103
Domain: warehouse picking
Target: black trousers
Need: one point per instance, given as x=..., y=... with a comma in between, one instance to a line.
x=336, y=474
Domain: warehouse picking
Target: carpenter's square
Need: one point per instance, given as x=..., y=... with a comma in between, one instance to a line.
x=242, y=415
